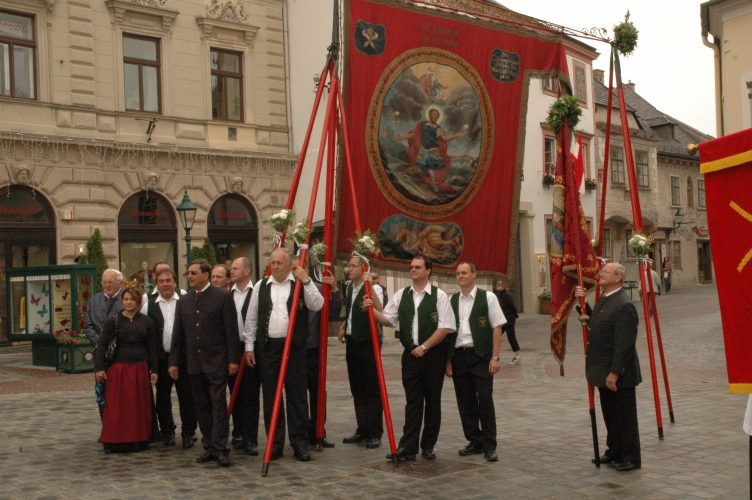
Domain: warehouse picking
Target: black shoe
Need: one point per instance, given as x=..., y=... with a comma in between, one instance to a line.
x=223, y=460
x=627, y=466
x=491, y=455
x=206, y=457
x=238, y=443
x=470, y=449
x=326, y=443
x=302, y=454
x=607, y=460
x=354, y=439
x=169, y=439
x=277, y=453
x=188, y=442
x=402, y=454
x=235, y=440
x=372, y=443
x=251, y=449
x=428, y=454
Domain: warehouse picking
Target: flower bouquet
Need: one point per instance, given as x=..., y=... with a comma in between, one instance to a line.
x=300, y=233
x=318, y=250
x=365, y=243
x=71, y=337
x=282, y=220
x=640, y=245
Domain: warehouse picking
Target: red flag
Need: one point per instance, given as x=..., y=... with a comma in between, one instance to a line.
x=570, y=245
x=727, y=165
x=579, y=165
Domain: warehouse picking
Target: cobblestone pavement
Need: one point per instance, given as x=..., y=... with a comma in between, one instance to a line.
x=50, y=425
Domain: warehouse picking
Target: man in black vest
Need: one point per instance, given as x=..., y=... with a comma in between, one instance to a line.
x=361, y=363
x=474, y=360
x=206, y=333
x=265, y=332
x=245, y=415
x=611, y=364
x=161, y=309
x=425, y=318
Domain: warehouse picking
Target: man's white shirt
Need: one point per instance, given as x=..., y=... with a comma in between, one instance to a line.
x=239, y=298
x=443, y=307
x=465, y=307
x=167, y=306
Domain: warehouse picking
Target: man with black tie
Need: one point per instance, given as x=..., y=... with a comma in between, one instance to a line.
x=245, y=415
x=425, y=318
x=206, y=333
x=161, y=309
x=611, y=364
x=474, y=360
x=265, y=332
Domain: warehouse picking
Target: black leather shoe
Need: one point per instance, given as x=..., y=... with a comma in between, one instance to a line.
x=402, y=454
x=607, y=460
x=470, y=449
x=302, y=454
x=223, y=459
x=428, y=454
x=491, y=455
x=251, y=449
x=627, y=466
x=188, y=442
x=206, y=457
x=355, y=438
x=372, y=443
x=325, y=443
x=169, y=439
x=238, y=443
x=277, y=453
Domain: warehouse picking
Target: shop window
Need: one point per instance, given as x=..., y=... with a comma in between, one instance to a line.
x=232, y=228
x=17, y=56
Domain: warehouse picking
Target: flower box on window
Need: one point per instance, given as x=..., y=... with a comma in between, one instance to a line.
x=591, y=184
x=548, y=179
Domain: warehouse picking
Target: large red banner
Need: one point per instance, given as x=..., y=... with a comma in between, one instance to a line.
x=727, y=165
x=436, y=104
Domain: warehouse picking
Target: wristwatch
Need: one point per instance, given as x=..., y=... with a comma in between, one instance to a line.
x=495, y=358
x=423, y=346
x=306, y=283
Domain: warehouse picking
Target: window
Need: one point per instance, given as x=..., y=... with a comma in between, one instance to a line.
x=606, y=243
x=643, y=173
x=549, y=155
x=141, y=68
x=586, y=159
x=700, y=193
x=226, y=85
x=580, y=83
x=628, y=236
x=617, y=165
x=17, y=48
x=550, y=84
x=675, y=194
x=690, y=193
x=676, y=255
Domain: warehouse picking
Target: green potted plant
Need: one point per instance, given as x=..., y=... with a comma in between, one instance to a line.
x=591, y=184
x=544, y=302
x=548, y=179
x=74, y=353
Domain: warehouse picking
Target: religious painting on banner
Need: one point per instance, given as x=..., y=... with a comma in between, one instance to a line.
x=436, y=105
x=726, y=163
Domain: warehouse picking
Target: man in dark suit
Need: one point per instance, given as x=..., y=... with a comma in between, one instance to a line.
x=506, y=301
x=206, y=333
x=611, y=365
x=161, y=309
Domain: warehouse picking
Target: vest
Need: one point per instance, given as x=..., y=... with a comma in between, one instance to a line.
x=428, y=317
x=265, y=313
x=155, y=313
x=480, y=326
x=246, y=302
x=360, y=328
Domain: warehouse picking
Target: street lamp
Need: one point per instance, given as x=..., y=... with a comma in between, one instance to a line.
x=678, y=220
x=187, y=210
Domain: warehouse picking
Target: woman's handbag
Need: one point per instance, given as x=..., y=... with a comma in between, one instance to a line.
x=111, y=352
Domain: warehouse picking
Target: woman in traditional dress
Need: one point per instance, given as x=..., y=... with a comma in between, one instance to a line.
x=127, y=420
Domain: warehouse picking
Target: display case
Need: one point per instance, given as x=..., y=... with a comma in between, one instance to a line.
x=48, y=303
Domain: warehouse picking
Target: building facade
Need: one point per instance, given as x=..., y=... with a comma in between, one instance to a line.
x=111, y=111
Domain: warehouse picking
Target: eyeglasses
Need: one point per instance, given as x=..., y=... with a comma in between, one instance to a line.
x=416, y=267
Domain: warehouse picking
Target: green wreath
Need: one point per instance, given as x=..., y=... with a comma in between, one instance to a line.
x=564, y=108
x=625, y=36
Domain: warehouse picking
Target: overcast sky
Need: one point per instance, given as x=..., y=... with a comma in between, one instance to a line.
x=671, y=67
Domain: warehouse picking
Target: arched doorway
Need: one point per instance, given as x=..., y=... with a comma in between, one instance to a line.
x=233, y=229
x=27, y=238
x=147, y=234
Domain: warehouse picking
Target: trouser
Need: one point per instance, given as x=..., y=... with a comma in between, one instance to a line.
x=422, y=379
x=182, y=385
x=245, y=415
x=508, y=328
x=210, y=398
x=473, y=386
x=364, y=387
x=312, y=378
x=269, y=359
x=620, y=415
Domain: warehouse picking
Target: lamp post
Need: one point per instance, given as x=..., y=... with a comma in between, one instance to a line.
x=678, y=220
x=187, y=210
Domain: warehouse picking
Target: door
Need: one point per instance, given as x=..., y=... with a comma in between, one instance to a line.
x=704, y=264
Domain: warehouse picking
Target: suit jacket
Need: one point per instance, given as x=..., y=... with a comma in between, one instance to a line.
x=611, y=342
x=99, y=309
x=205, y=331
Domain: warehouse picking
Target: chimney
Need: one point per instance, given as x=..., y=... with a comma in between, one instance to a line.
x=598, y=74
x=631, y=85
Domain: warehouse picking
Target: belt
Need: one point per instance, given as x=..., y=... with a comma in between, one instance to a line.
x=465, y=348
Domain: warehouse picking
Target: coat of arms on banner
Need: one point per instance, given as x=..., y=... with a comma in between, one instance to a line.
x=370, y=39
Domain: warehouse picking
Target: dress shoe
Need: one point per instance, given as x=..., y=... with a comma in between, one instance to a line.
x=354, y=439
x=251, y=449
x=470, y=449
x=491, y=455
x=277, y=453
x=627, y=466
x=607, y=460
x=235, y=440
x=188, y=442
x=302, y=454
x=326, y=443
x=428, y=454
x=223, y=460
x=402, y=454
x=238, y=443
x=372, y=443
x=206, y=457
x=169, y=439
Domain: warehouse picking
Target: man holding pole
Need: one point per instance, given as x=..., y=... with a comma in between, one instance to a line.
x=475, y=360
x=611, y=364
x=425, y=318
x=265, y=332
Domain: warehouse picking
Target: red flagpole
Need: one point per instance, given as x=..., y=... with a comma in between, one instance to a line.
x=659, y=340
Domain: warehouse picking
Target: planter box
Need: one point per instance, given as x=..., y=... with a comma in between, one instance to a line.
x=545, y=306
x=75, y=358
x=44, y=352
